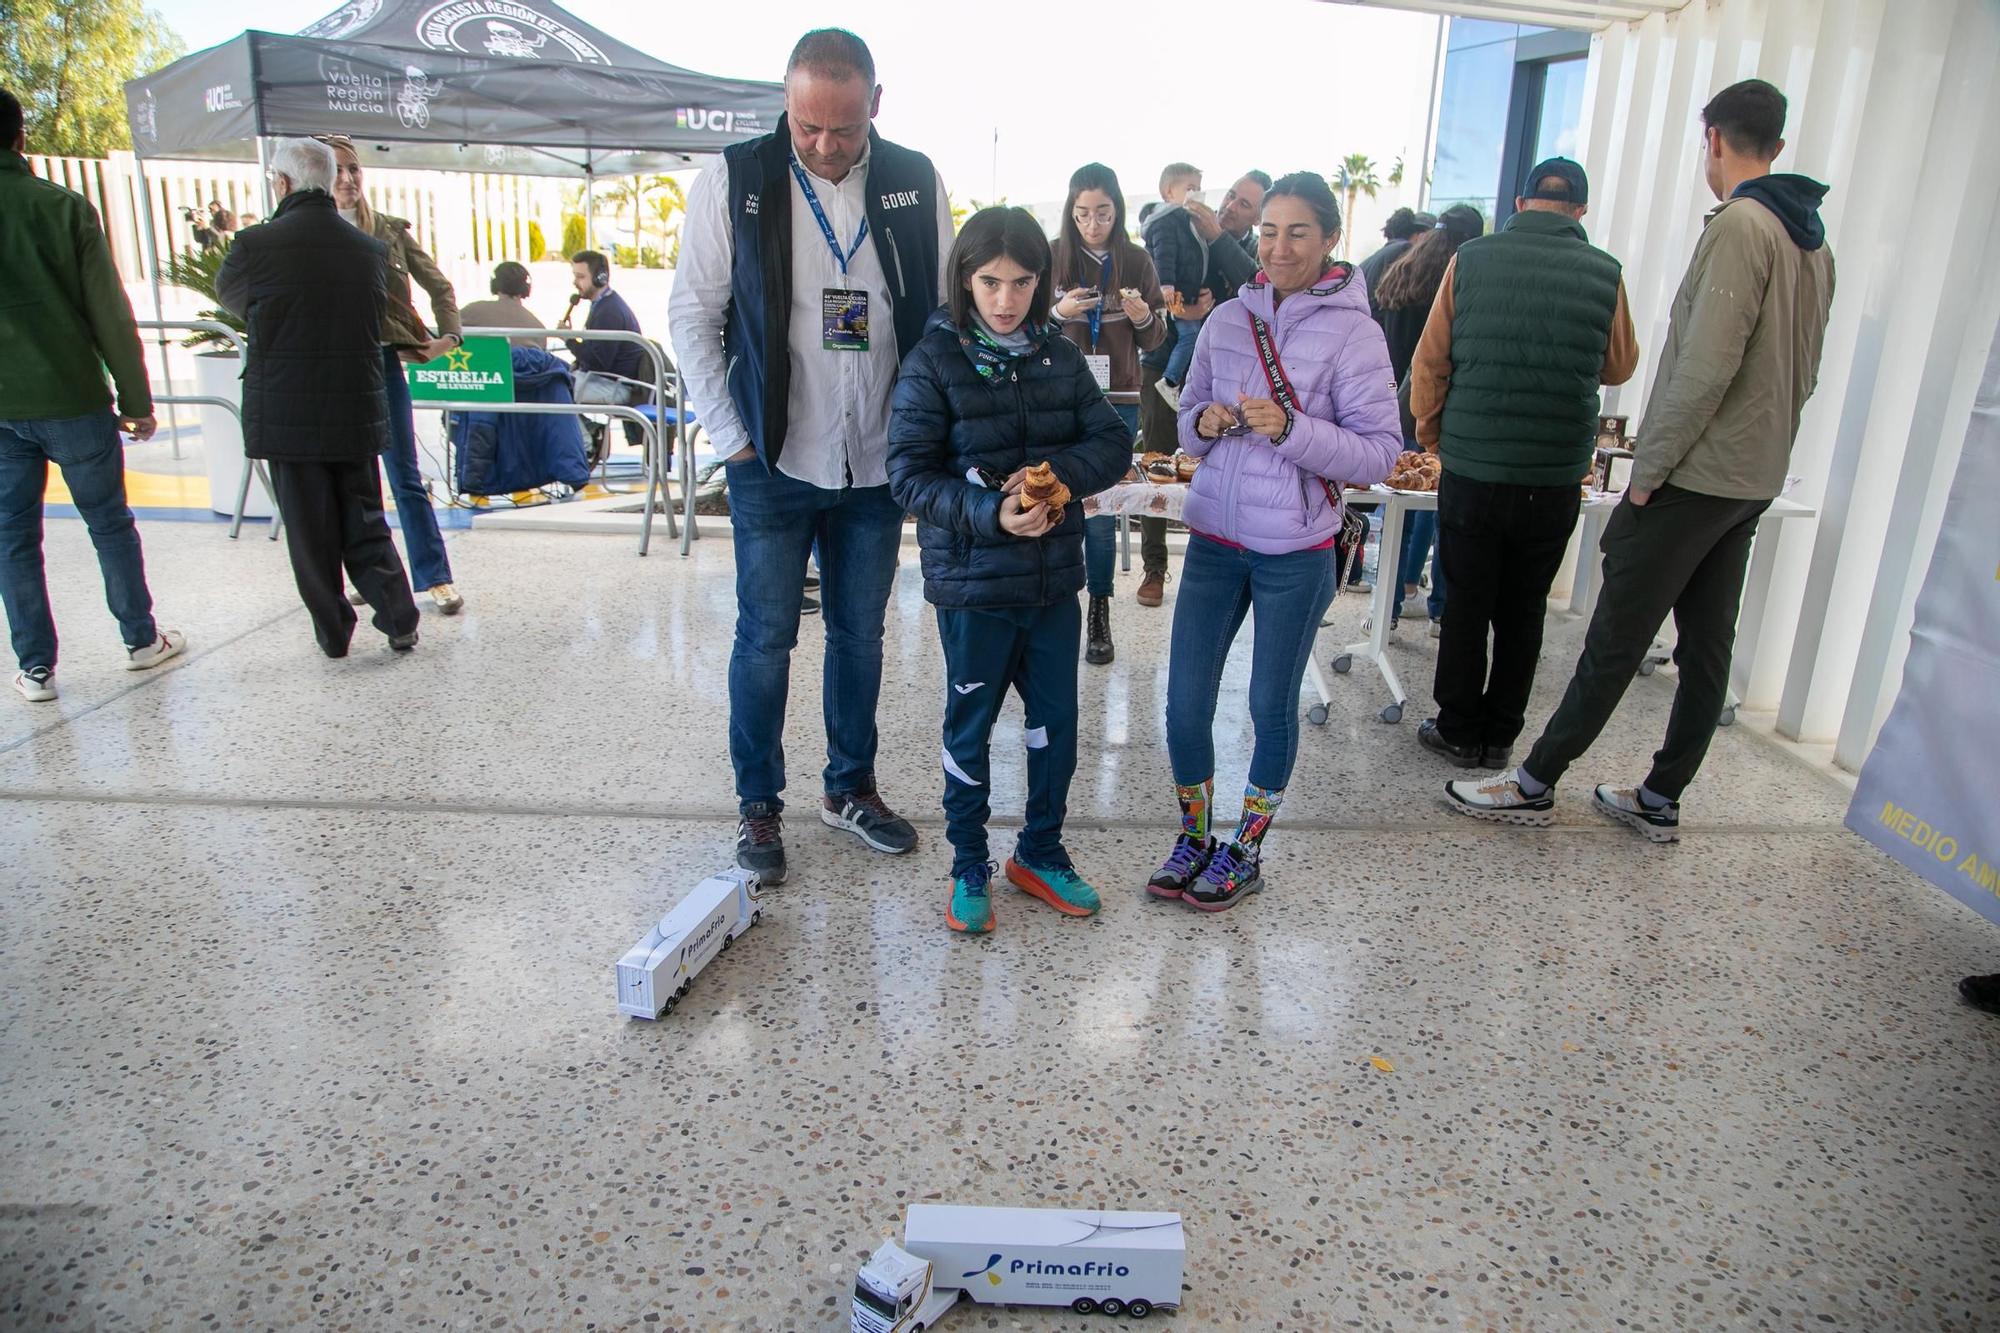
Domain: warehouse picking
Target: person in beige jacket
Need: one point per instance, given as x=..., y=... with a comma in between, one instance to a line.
x=405, y=337
x=1741, y=358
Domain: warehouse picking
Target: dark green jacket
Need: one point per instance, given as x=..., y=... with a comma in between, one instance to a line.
x=63, y=314
x=1533, y=308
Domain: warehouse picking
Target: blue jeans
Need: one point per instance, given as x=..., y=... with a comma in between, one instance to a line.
x=1419, y=532
x=1100, y=534
x=92, y=460
x=986, y=654
x=1185, y=332
x=1219, y=585
x=428, y=565
x=777, y=521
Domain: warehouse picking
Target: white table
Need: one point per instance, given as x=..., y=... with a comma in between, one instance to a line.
x=1596, y=513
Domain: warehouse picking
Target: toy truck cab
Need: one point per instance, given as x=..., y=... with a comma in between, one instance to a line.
x=893, y=1294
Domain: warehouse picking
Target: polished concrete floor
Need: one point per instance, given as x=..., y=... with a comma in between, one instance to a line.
x=306, y=1006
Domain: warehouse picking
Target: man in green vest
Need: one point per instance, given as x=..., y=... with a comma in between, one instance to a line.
x=1527, y=324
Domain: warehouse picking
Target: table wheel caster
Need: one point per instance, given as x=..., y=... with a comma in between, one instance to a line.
x=1317, y=715
x=1393, y=713
x=1646, y=667
x=1343, y=664
x=1728, y=718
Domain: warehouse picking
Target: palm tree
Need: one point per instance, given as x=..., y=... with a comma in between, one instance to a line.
x=667, y=204
x=1396, y=172
x=1356, y=177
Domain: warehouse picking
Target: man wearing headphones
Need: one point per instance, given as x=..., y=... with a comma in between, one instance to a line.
x=605, y=366
x=511, y=286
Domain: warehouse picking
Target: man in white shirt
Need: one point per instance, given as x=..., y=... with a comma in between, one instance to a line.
x=810, y=260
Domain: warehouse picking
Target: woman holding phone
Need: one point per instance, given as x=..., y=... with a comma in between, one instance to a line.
x=1288, y=398
x=1107, y=301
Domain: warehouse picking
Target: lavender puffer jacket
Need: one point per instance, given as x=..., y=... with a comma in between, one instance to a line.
x=1268, y=497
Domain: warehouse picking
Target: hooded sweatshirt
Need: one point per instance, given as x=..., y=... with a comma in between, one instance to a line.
x=1743, y=346
x=1275, y=498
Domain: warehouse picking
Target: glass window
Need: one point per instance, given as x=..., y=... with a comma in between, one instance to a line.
x=1472, y=125
x=1478, y=32
x=1562, y=111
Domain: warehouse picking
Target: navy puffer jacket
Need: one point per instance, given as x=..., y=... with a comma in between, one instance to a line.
x=1043, y=407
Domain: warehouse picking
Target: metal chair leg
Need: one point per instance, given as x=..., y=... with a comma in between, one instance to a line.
x=242, y=498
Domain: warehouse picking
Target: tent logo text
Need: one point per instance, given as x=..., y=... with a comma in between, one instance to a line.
x=222, y=97
x=504, y=29
x=354, y=14
x=708, y=118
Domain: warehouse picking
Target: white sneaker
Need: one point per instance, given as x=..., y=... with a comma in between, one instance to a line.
x=1437, y=629
x=166, y=644
x=1623, y=804
x=37, y=686
x=1502, y=801
x=1170, y=392
x=354, y=597
x=448, y=601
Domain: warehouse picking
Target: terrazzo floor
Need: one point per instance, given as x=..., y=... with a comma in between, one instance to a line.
x=306, y=1014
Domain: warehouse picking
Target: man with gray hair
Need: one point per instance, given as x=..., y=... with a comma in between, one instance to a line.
x=312, y=290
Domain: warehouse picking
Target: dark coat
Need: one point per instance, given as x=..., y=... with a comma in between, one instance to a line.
x=499, y=453
x=311, y=290
x=949, y=419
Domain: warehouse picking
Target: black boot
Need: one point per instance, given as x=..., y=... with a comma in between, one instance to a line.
x=1098, y=651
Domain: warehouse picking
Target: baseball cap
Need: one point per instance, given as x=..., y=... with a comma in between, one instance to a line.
x=1576, y=189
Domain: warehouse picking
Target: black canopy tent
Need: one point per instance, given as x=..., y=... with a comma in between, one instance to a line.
x=457, y=85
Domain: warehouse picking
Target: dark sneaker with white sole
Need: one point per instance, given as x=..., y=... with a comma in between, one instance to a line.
x=1501, y=801
x=1661, y=824
x=1227, y=879
x=1493, y=758
x=868, y=817
x=760, y=843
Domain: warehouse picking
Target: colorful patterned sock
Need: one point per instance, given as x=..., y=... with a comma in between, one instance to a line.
x=1197, y=803
x=1259, y=805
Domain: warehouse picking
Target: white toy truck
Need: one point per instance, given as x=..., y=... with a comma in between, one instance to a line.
x=1092, y=1262
x=663, y=964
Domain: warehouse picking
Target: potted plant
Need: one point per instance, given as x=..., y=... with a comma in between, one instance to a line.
x=218, y=373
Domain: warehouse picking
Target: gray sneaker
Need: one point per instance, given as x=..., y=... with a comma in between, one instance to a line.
x=1501, y=801
x=37, y=686
x=760, y=843
x=867, y=817
x=1623, y=804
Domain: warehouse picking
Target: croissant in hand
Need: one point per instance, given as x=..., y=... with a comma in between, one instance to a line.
x=1042, y=486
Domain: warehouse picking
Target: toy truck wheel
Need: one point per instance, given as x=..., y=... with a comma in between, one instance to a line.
x=756, y=916
x=1112, y=1306
x=1139, y=1309
x=1083, y=1305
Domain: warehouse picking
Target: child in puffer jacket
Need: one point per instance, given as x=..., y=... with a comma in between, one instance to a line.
x=992, y=392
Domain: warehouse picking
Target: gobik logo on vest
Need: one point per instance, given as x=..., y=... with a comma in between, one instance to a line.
x=504, y=29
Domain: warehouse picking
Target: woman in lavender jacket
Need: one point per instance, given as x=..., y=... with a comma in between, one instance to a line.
x=1262, y=512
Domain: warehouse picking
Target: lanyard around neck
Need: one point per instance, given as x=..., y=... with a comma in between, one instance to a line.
x=825, y=227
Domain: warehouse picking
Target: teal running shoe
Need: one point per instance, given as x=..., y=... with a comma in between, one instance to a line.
x=970, y=910
x=1058, y=886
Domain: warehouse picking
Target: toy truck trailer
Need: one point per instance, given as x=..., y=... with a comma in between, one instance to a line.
x=658, y=970
x=1092, y=1262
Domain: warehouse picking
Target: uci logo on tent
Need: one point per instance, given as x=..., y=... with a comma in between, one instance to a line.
x=222, y=97
x=505, y=29
x=704, y=118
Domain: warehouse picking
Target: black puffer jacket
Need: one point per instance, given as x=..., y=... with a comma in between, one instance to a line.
x=1042, y=407
x=311, y=290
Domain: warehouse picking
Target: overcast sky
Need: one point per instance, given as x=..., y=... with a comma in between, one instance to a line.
x=1297, y=85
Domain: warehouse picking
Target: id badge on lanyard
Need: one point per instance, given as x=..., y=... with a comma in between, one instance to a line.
x=1100, y=363
x=843, y=310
